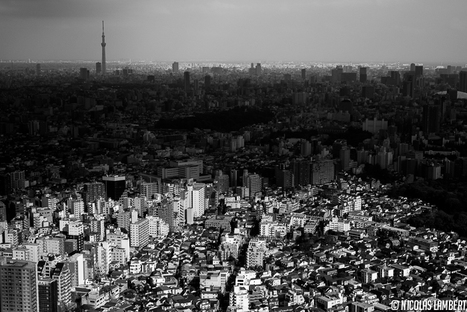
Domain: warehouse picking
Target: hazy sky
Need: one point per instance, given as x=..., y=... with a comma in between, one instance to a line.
x=236, y=30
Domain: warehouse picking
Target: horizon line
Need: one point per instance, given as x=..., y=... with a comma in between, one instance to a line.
x=130, y=60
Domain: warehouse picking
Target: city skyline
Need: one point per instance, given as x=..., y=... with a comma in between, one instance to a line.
x=322, y=31
x=299, y=174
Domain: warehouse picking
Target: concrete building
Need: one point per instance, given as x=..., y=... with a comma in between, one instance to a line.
x=196, y=198
x=374, y=125
x=18, y=294
x=322, y=172
x=254, y=183
x=256, y=253
x=48, y=295
x=175, y=67
x=114, y=186
x=139, y=233
x=149, y=190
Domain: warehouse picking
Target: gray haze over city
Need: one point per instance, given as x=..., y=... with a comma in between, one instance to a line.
x=219, y=30
x=233, y=156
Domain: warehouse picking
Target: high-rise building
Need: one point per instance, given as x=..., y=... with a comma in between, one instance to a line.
x=383, y=159
x=103, y=257
x=344, y=158
x=49, y=201
x=76, y=266
x=149, y=190
x=103, y=44
x=93, y=191
x=256, y=253
x=61, y=273
x=305, y=148
x=196, y=198
x=363, y=74
x=9, y=182
x=98, y=68
x=336, y=74
x=5, y=184
x=233, y=177
x=75, y=207
x=395, y=77
x=284, y=178
x=186, y=79
x=75, y=228
x=51, y=245
x=337, y=145
x=431, y=119
x=77, y=236
x=196, y=86
x=38, y=69
x=141, y=205
x=408, y=87
x=244, y=177
x=18, y=285
x=463, y=80
x=258, y=69
x=17, y=179
x=114, y=186
x=239, y=298
x=3, y=216
x=139, y=233
x=254, y=183
x=322, y=172
x=125, y=72
x=173, y=213
x=98, y=226
x=419, y=71
x=222, y=182
x=48, y=295
x=158, y=227
x=303, y=72
x=175, y=67
x=207, y=81
x=301, y=172
x=83, y=73
x=374, y=125
x=32, y=252
x=123, y=220
x=252, y=70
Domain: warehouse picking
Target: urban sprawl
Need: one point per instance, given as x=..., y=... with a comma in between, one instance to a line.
x=230, y=186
